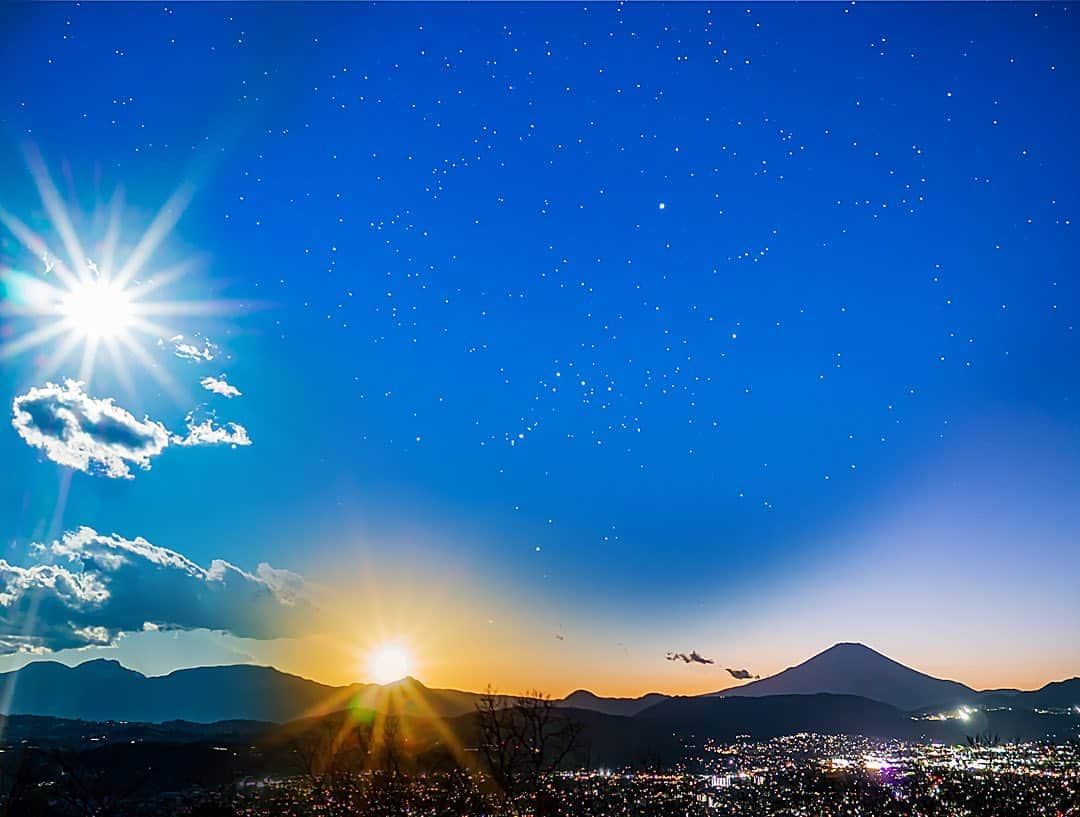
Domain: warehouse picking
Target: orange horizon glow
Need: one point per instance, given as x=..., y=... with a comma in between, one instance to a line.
x=472, y=673
x=468, y=665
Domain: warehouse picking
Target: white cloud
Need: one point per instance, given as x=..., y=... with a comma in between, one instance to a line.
x=94, y=634
x=287, y=585
x=195, y=352
x=96, y=436
x=217, y=385
x=86, y=433
x=95, y=588
x=204, y=430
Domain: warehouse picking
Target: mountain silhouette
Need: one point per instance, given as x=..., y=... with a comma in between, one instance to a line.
x=1057, y=695
x=775, y=715
x=103, y=690
x=855, y=669
x=583, y=699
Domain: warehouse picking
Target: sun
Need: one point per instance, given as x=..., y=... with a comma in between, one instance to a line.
x=388, y=663
x=98, y=309
x=75, y=305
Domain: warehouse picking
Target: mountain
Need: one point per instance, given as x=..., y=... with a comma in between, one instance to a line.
x=724, y=718
x=68, y=734
x=103, y=690
x=583, y=699
x=1054, y=696
x=855, y=669
x=1058, y=695
x=775, y=715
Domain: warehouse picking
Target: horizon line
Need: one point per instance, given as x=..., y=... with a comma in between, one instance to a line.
x=42, y=659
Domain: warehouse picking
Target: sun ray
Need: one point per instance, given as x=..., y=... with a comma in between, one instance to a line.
x=160, y=227
x=32, y=340
x=26, y=634
x=59, y=355
x=438, y=723
x=191, y=308
x=163, y=379
x=36, y=245
x=160, y=279
x=54, y=206
x=153, y=328
x=112, y=235
x=86, y=368
x=28, y=310
x=120, y=367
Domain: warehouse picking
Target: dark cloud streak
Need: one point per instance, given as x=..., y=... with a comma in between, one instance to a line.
x=693, y=657
x=741, y=674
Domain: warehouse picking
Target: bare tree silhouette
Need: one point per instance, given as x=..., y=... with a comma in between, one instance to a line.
x=522, y=741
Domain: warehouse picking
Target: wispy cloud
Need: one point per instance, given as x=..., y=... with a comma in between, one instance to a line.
x=85, y=433
x=218, y=385
x=86, y=589
x=201, y=351
x=693, y=657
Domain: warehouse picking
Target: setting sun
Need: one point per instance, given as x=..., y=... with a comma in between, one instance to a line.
x=388, y=663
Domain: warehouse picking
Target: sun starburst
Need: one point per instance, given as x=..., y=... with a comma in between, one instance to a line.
x=75, y=304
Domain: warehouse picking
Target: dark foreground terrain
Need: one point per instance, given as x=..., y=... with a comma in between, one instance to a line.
x=521, y=759
x=783, y=778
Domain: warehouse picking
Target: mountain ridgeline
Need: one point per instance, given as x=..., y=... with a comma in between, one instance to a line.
x=103, y=690
x=848, y=687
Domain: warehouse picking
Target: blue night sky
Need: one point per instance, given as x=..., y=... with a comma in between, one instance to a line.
x=567, y=335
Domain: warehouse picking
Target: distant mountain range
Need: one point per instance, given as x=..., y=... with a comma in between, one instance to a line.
x=626, y=707
x=103, y=690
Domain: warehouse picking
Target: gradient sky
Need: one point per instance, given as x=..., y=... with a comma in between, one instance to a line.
x=569, y=336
